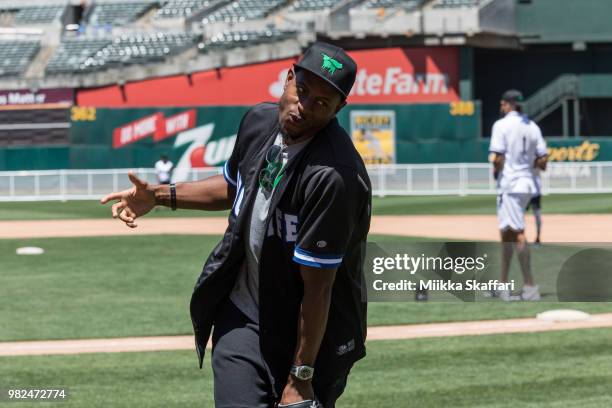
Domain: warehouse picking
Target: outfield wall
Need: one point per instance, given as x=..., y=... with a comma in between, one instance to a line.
x=195, y=137
x=579, y=150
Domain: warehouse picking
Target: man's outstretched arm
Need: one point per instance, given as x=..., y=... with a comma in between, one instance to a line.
x=211, y=194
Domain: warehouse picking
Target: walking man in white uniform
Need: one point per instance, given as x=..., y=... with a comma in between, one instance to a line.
x=517, y=149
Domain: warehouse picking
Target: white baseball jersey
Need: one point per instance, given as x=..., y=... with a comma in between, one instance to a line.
x=163, y=170
x=520, y=141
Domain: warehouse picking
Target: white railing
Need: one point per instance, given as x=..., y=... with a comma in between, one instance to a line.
x=400, y=179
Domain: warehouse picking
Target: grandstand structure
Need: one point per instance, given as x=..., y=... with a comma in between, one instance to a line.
x=556, y=51
x=81, y=41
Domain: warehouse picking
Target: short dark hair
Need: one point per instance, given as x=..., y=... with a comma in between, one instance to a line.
x=513, y=96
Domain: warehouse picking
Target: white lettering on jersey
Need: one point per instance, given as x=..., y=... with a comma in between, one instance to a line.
x=284, y=226
x=291, y=223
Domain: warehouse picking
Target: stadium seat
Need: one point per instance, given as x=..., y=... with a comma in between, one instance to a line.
x=72, y=54
x=457, y=3
x=242, y=10
x=84, y=55
x=133, y=49
x=186, y=8
x=15, y=56
x=406, y=4
x=313, y=5
x=229, y=39
x=119, y=13
x=38, y=15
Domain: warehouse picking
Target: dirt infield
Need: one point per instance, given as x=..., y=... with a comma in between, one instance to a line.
x=557, y=228
x=136, y=344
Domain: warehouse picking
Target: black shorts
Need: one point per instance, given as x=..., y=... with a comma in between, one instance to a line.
x=242, y=377
x=536, y=203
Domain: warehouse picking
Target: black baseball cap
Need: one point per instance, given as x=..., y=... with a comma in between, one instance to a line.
x=513, y=96
x=330, y=63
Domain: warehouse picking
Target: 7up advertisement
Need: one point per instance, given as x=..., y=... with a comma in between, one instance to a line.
x=135, y=138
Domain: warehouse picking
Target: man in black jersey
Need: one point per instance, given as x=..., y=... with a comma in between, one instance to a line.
x=283, y=288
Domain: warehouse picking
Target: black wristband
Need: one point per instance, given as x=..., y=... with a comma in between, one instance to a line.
x=173, y=196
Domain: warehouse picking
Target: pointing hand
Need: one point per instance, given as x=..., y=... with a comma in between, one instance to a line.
x=133, y=202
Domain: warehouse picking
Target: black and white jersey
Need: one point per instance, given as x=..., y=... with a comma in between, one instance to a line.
x=319, y=216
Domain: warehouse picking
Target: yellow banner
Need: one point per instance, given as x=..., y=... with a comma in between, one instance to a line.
x=587, y=151
x=373, y=133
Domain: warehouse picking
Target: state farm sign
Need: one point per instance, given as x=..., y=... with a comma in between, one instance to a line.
x=397, y=82
x=386, y=75
x=405, y=76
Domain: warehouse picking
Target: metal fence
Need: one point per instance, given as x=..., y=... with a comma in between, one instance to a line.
x=401, y=179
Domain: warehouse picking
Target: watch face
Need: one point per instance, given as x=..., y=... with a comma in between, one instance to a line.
x=305, y=373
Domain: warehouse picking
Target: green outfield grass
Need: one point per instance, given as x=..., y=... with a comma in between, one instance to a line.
x=141, y=286
x=405, y=205
x=555, y=369
x=57, y=210
x=553, y=204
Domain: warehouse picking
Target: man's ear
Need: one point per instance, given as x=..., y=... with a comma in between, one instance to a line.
x=341, y=105
x=290, y=77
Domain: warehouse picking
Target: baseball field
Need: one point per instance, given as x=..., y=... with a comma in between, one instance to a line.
x=131, y=284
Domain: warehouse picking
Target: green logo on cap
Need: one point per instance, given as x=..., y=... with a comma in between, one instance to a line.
x=330, y=64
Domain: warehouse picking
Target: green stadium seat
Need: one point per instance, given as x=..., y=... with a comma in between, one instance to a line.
x=15, y=56
x=86, y=55
x=119, y=13
x=38, y=15
x=405, y=4
x=457, y=3
x=187, y=8
x=313, y=5
x=242, y=10
x=230, y=39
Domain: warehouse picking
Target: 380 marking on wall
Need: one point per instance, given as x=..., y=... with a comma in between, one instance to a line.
x=462, y=108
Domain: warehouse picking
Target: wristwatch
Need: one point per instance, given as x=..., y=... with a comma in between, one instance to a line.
x=302, y=372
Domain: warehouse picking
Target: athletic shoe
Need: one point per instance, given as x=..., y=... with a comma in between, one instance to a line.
x=531, y=293
x=507, y=296
x=489, y=293
x=504, y=295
